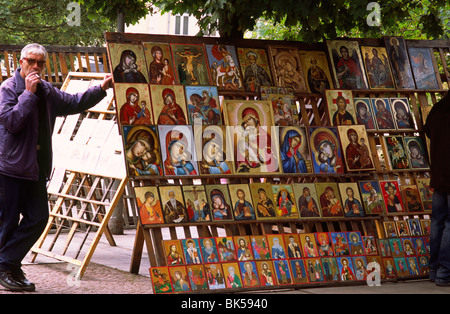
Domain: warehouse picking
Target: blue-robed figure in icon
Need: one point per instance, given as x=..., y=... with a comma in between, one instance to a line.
x=292, y=160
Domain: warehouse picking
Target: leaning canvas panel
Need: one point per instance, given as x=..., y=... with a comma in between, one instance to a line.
x=149, y=205
x=173, y=206
x=255, y=68
x=399, y=61
x=401, y=111
x=364, y=112
x=326, y=150
x=340, y=106
x=329, y=199
x=262, y=199
x=133, y=104
x=224, y=66
x=383, y=114
x=392, y=196
x=377, y=67
x=190, y=64
x=284, y=199
x=351, y=199
x=307, y=200
x=197, y=207
x=424, y=68
x=242, y=203
x=316, y=70
x=203, y=105
x=169, y=104
x=159, y=62
x=128, y=63
x=219, y=202
x=395, y=152
x=295, y=150
x=416, y=152
x=356, y=148
x=160, y=278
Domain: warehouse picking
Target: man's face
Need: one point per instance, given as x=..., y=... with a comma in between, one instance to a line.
x=32, y=63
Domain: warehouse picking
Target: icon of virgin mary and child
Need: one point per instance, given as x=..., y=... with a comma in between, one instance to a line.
x=179, y=160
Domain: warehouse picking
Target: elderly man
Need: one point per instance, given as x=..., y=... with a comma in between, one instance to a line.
x=28, y=108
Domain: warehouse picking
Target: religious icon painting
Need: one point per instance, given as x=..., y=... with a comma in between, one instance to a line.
x=285, y=111
x=241, y=200
x=197, y=278
x=389, y=267
x=375, y=265
x=385, y=249
x=347, y=64
x=179, y=278
x=314, y=269
x=287, y=68
x=174, y=209
x=232, y=275
x=400, y=65
x=307, y=201
x=190, y=64
x=370, y=245
x=414, y=227
x=396, y=247
x=262, y=199
x=203, y=105
x=283, y=197
x=364, y=113
x=161, y=280
x=329, y=199
x=173, y=251
x=419, y=246
x=401, y=267
x=192, y=251
x=299, y=275
x=330, y=269
x=424, y=265
x=255, y=68
x=178, y=150
x=408, y=247
x=324, y=245
x=424, y=68
x=360, y=267
x=160, y=65
x=169, y=104
x=402, y=114
x=339, y=243
x=425, y=192
x=138, y=139
x=283, y=273
x=249, y=274
x=391, y=196
x=377, y=67
x=413, y=266
x=325, y=150
x=215, y=276
x=309, y=245
x=253, y=136
x=243, y=247
x=219, y=202
x=209, y=250
x=416, y=153
x=293, y=245
x=395, y=152
x=260, y=247
x=276, y=246
x=425, y=226
x=266, y=273
x=128, y=63
x=213, y=149
x=372, y=197
x=197, y=207
x=346, y=270
x=411, y=198
x=133, y=104
x=149, y=205
x=390, y=229
x=351, y=199
x=356, y=148
x=315, y=68
x=223, y=66
x=341, y=108
x=355, y=243
x=225, y=248
x=382, y=114
x=295, y=152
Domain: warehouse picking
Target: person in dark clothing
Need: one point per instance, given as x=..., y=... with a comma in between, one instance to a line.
x=437, y=128
x=28, y=109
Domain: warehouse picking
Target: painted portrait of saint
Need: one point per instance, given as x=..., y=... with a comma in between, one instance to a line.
x=128, y=63
x=325, y=150
x=224, y=66
x=287, y=68
x=160, y=65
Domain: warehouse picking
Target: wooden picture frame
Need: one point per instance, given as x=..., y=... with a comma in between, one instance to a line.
x=408, y=247
x=395, y=152
x=307, y=200
x=160, y=278
x=424, y=68
x=347, y=64
x=223, y=65
x=317, y=73
x=329, y=199
x=376, y=63
x=203, y=105
x=382, y=114
x=396, y=247
x=425, y=192
x=263, y=201
x=283, y=197
x=149, y=205
x=385, y=249
x=325, y=150
x=219, y=202
x=356, y=148
x=241, y=200
x=417, y=154
x=425, y=225
x=173, y=252
x=255, y=68
x=401, y=267
x=174, y=209
x=135, y=139
x=128, y=64
x=401, y=111
x=179, y=278
x=392, y=196
x=134, y=104
x=178, y=150
x=389, y=267
x=197, y=207
x=190, y=63
x=295, y=151
x=411, y=198
x=351, y=199
x=287, y=68
x=160, y=63
x=415, y=227
x=226, y=249
x=399, y=61
x=169, y=104
x=372, y=197
x=390, y=229
x=364, y=112
x=340, y=107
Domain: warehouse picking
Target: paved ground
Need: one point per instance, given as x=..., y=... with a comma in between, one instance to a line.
x=108, y=274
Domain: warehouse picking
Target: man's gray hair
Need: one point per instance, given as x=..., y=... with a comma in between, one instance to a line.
x=36, y=49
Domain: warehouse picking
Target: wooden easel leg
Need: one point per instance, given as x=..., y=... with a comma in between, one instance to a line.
x=136, y=255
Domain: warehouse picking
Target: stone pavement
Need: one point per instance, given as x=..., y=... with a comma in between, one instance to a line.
x=108, y=273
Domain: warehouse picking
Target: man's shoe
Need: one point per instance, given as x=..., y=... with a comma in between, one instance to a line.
x=442, y=283
x=7, y=280
x=19, y=276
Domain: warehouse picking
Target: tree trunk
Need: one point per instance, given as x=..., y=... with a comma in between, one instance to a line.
x=121, y=22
